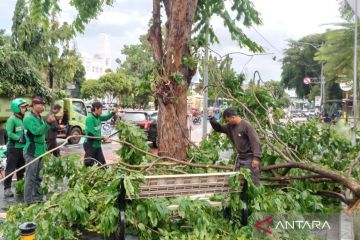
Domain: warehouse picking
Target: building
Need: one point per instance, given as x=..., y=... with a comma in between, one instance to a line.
x=96, y=65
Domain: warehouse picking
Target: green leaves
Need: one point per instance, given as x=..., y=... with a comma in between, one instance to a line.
x=112, y=85
x=299, y=63
x=178, y=77
x=18, y=75
x=245, y=15
x=139, y=67
x=131, y=133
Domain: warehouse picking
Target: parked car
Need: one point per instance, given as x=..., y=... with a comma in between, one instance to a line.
x=146, y=120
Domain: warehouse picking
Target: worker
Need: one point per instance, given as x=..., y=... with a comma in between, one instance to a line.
x=35, y=129
x=245, y=139
x=92, y=147
x=53, y=131
x=15, y=144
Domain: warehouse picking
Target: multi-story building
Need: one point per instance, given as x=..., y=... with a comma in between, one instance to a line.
x=96, y=65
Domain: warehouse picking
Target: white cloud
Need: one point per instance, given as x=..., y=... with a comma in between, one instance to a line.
x=114, y=18
x=282, y=20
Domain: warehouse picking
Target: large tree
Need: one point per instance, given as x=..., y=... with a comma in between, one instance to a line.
x=338, y=55
x=298, y=62
x=91, y=89
x=175, y=54
x=112, y=86
x=46, y=42
x=139, y=67
x=186, y=27
x=18, y=76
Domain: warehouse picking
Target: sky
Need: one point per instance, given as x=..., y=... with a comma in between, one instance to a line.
x=282, y=20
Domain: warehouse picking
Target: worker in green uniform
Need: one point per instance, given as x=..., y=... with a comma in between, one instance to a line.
x=35, y=129
x=15, y=145
x=92, y=146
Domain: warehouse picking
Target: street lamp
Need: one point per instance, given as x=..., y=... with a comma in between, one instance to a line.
x=322, y=78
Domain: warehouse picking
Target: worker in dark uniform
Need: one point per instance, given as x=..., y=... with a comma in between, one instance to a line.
x=92, y=147
x=35, y=129
x=247, y=144
x=53, y=131
x=16, y=143
x=245, y=139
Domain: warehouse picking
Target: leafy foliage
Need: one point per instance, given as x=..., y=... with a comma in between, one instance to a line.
x=92, y=89
x=299, y=62
x=244, y=12
x=45, y=41
x=338, y=55
x=113, y=86
x=131, y=133
x=18, y=75
x=139, y=68
x=85, y=198
x=220, y=69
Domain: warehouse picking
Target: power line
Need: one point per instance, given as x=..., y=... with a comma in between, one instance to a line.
x=268, y=42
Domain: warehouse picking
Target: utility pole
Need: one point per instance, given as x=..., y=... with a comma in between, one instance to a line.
x=355, y=94
x=206, y=89
x=322, y=77
x=322, y=88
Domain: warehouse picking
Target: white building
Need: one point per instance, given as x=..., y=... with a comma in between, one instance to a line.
x=96, y=65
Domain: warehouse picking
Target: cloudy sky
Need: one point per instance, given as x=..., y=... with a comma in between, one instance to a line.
x=282, y=20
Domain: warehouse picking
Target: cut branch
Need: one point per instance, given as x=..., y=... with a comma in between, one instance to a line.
x=285, y=178
x=326, y=173
x=340, y=196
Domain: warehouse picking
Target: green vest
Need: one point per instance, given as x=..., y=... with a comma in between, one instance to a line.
x=14, y=129
x=35, y=130
x=93, y=128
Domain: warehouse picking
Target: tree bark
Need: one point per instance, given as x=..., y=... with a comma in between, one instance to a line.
x=174, y=77
x=326, y=173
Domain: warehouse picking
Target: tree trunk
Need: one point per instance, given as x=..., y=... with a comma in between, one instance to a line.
x=174, y=77
x=172, y=128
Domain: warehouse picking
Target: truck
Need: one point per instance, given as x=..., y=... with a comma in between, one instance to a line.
x=77, y=114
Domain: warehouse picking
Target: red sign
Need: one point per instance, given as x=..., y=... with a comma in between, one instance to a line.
x=307, y=80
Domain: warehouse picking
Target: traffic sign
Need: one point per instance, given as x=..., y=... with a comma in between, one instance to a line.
x=307, y=80
x=346, y=86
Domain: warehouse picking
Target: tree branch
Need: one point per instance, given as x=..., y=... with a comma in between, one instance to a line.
x=285, y=178
x=154, y=35
x=341, y=197
x=326, y=173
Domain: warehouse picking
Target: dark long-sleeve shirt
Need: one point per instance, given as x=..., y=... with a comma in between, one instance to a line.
x=244, y=137
x=53, y=131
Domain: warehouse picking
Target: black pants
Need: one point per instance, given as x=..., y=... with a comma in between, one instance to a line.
x=15, y=159
x=92, y=153
x=51, y=144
